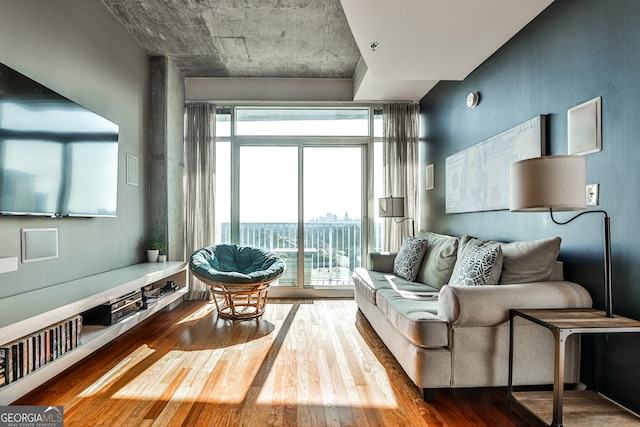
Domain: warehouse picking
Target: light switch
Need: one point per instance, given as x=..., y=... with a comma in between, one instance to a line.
x=593, y=198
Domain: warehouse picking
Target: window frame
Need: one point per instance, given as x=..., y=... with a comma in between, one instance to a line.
x=367, y=191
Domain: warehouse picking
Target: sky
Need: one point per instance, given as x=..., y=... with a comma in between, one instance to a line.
x=268, y=183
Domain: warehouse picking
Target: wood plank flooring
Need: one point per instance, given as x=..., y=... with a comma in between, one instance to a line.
x=580, y=409
x=305, y=363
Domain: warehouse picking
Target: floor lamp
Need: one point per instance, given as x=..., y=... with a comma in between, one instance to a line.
x=558, y=183
x=393, y=207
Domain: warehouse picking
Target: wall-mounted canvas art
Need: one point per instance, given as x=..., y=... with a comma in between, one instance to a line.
x=477, y=178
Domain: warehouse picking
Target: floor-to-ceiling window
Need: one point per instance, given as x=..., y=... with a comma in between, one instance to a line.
x=268, y=210
x=300, y=181
x=333, y=225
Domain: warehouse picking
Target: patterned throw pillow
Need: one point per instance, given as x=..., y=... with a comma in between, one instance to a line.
x=477, y=266
x=409, y=257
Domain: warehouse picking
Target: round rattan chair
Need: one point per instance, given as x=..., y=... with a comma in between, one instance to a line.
x=239, y=277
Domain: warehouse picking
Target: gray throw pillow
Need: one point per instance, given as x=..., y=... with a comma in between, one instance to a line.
x=529, y=261
x=438, y=263
x=523, y=262
x=477, y=266
x=409, y=258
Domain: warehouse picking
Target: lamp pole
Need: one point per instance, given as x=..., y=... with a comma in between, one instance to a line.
x=608, y=297
x=607, y=266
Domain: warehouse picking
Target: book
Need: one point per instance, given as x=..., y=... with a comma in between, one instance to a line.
x=4, y=369
x=29, y=353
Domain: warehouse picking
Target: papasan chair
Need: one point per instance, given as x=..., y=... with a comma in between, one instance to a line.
x=239, y=275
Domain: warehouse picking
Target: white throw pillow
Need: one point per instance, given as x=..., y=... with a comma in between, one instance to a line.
x=478, y=265
x=409, y=257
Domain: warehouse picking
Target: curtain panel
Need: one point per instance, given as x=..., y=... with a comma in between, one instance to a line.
x=199, y=191
x=400, y=163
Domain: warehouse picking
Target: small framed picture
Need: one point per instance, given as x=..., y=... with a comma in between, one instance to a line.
x=584, y=123
x=429, y=184
x=132, y=169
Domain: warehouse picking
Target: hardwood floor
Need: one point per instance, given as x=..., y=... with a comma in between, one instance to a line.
x=305, y=363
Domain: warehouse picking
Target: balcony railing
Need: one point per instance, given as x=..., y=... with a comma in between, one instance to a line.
x=332, y=250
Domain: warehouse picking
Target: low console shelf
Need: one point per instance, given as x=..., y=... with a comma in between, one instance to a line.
x=22, y=315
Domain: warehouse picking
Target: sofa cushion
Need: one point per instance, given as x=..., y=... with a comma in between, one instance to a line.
x=414, y=315
x=368, y=282
x=529, y=261
x=409, y=257
x=477, y=266
x=382, y=261
x=439, y=260
x=523, y=261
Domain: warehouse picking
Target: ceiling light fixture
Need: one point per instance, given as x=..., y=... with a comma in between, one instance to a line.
x=374, y=45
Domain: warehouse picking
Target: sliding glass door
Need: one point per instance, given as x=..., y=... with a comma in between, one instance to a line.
x=269, y=210
x=269, y=203
x=332, y=214
x=294, y=181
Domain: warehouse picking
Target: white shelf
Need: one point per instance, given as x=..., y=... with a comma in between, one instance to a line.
x=31, y=311
x=106, y=286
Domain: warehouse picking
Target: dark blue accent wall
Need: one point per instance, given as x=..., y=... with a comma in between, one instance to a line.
x=572, y=52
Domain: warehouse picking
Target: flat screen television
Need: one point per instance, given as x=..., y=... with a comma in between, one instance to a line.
x=57, y=158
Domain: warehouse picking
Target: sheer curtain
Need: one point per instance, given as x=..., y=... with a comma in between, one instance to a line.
x=200, y=121
x=400, y=124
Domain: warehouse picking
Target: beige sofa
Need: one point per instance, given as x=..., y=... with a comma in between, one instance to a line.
x=445, y=333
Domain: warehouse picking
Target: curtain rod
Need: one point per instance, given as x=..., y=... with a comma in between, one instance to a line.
x=288, y=103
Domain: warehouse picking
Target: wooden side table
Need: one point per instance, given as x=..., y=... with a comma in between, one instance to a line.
x=588, y=404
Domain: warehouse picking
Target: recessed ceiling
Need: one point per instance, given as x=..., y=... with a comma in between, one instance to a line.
x=420, y=41
x=435, y=39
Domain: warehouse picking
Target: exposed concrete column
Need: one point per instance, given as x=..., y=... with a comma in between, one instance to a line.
x=166, y=155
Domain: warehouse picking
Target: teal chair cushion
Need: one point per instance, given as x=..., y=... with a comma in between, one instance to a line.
x=236, y=264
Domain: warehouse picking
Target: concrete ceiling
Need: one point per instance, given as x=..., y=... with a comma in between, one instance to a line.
x=420, y=41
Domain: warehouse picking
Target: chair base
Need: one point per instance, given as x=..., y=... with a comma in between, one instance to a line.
x=240, y=301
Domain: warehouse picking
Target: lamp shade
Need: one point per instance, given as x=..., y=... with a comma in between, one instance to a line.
x=391, y=207
x=541, y=183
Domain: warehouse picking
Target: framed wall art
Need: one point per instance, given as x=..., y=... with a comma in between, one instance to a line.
x=132, y=169
x=584, y=124
x=477, y=178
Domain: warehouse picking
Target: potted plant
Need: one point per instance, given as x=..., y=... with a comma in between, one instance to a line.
x=155, y=246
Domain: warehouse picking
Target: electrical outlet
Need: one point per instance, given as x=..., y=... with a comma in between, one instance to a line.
x=593, y=196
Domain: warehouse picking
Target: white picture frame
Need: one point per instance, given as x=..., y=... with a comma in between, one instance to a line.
x=132, y=169
x=39, y=244
x=584, y=127
x=429, y=184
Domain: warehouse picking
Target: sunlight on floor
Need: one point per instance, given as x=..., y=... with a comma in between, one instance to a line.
x=312, y=366
x=192, y=370
x=199, y=314
x=118, y=371
x=298, y=354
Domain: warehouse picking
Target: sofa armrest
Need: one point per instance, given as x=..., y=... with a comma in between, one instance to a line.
x=382, y=261
x=490, y=305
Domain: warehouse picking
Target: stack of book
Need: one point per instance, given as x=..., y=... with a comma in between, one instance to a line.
x=25, y=355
